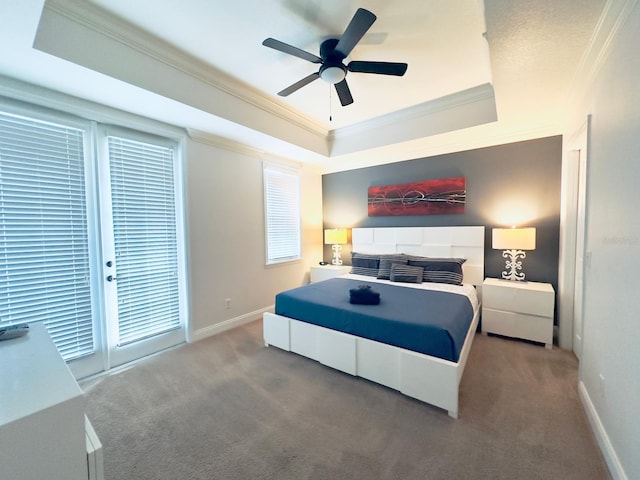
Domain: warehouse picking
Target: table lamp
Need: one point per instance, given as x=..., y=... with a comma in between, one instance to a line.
x=514, y=241
x=336, y=237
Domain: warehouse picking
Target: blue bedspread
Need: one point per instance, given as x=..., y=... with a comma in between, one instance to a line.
x=426, y=321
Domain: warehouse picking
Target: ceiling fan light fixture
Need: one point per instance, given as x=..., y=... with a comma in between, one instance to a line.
x=333, y=74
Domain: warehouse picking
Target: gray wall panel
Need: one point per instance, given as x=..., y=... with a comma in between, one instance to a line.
x=522, y=178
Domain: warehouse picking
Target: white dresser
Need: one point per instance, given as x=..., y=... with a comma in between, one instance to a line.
x=518, y=309
x=44, y=433
x=324, y=272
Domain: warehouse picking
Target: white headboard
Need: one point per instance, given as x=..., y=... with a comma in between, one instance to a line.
x=459, y=242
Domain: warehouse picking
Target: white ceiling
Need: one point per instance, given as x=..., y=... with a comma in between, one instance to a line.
x=479, y=71
x=441, y=41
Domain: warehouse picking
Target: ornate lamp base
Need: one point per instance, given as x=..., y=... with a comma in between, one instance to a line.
x=337, y=250
x=513, y=265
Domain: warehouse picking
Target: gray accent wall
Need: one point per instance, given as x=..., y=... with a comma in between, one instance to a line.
x=513, y=183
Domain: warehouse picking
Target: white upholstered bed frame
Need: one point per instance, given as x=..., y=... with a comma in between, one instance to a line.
x=429, y=379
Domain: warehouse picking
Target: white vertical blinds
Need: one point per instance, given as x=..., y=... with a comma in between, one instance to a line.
x=44, y=252
x=145, y=238
x=282, y=207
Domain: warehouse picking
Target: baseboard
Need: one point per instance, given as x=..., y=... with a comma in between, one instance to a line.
x=610, y=457
x=227, y=325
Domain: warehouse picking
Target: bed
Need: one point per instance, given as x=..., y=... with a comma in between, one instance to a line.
x=334, y=335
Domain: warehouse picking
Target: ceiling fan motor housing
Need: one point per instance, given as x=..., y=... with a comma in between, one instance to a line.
x=332, y=69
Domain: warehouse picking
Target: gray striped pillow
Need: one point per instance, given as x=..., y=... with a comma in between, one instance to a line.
x=440, y=270
x=405, y=273
x=385, y=264
x=365, y=264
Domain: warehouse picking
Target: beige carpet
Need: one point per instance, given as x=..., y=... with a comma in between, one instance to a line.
x=229, y=408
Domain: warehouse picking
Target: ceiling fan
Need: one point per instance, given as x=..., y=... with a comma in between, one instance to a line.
x=332, y=53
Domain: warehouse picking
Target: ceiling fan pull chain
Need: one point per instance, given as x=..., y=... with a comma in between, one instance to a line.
x=330, y=105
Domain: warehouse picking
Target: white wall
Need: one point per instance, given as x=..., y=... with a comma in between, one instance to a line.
x=225, y=215
x=612, y=301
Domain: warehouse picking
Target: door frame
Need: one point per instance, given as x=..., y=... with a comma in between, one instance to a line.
x=116, y=354
x=573, y=229
x=25, y=99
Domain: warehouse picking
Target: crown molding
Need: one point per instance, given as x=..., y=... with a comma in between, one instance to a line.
x=224, y=143
x=104, y=23
x=420, y=111
x=462, y=110
x=614, y=15
x=64, y=104
x=233, y=146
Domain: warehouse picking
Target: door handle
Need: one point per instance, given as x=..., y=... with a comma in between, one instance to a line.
x=111, y=278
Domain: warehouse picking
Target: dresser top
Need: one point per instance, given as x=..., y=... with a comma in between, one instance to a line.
x=33, y=375
x=537, y=286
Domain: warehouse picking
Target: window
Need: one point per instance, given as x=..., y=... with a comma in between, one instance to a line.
x=44, y=250
x=282, y=213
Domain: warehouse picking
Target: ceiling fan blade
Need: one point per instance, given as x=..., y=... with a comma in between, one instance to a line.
x=291, y=50
x=344, y=94
x=360, y=23
x=299, y=84
x=382, y=68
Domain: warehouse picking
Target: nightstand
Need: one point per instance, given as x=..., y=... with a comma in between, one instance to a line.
x=324, y=272
x=518, y=309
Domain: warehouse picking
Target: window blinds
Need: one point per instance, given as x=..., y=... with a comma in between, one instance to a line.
x=282, y=206
x=145, y=238
x=44, y=252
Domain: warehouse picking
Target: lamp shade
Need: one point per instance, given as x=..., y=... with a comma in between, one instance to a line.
x=514, y=238
x=335, y=236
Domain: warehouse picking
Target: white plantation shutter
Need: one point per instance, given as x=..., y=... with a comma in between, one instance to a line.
x=282, y=207
x=44, y=251
x=145, y=238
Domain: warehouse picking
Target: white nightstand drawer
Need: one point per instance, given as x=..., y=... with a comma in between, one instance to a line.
x=497, y=321
x=528, y=298
x=518, y=309
x=516, y=325
x=538, y=329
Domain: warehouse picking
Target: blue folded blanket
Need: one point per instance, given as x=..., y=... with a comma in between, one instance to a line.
x=364, y=295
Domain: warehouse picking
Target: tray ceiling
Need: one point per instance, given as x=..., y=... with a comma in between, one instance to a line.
x=484, y=69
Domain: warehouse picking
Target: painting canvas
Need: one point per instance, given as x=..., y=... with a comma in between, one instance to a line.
x=428, y=197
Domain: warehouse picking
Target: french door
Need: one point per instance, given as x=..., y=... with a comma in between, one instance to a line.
x=90, y=237
x=141, y=267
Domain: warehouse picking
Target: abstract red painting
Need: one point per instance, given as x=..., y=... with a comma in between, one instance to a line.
x=429, y=197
